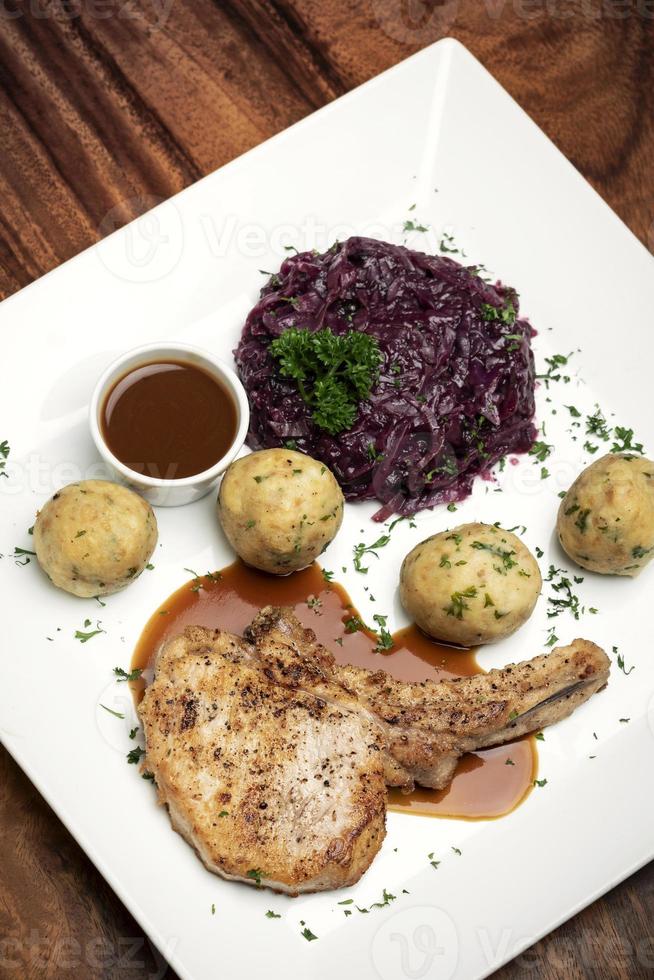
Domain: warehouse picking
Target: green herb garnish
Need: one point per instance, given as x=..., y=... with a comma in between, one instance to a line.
x=387, y=898
x=116, y=714
x=85, y=637
x=23, y=553
x=123, y=675
x=624, y=441
x=621, y=664
x=413, y=226
x=384, y=638
x=508, y=561
x=458, y=603
x=333, y=372
x=5, y=449
x=565, y=598
x=581, y=521
x=362, y=549
x=596, y=425
x=354, y=625
x=505, y=314
x=540, y=450
x=554, y=365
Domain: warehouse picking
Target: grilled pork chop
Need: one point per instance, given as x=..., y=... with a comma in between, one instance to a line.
x=273, y=759
x=429, y=725
x=271, y=785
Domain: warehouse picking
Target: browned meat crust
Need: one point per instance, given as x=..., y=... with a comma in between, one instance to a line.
x=428, y=726
x=269, y=784
x=273, y=759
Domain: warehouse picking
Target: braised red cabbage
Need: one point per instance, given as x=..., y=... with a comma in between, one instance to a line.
x=456, y=387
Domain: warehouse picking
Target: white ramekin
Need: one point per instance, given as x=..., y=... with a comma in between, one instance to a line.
x=168, y=493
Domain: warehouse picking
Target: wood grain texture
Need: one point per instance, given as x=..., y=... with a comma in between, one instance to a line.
x=108, y=107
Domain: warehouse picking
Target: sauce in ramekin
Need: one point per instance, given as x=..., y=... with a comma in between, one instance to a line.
x=169, y=420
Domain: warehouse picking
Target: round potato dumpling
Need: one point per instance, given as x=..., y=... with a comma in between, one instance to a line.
x=606, y=519
x=474, y=584
x=279, y=509
x=94, y=537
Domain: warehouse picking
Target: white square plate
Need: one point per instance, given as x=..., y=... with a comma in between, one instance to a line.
x=438, y=132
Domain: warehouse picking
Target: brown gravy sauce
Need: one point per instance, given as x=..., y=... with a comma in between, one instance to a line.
x=169, y=419
x=487, y=784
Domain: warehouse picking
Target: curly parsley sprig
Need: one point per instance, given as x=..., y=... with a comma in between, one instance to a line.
x=333, y=372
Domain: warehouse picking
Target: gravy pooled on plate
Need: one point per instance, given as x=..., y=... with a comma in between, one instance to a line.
x=488, y=783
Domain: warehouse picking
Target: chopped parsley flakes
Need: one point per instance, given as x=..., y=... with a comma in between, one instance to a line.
x=458, y=604
x=621, y=664
x=84, y=637
x=384, y=638
x=5, y=449
x=564, y=596
x=411, y=225
x=123, y=675
x=540, y=451
x=116, y=714
x=554, y=373
x=362, y=549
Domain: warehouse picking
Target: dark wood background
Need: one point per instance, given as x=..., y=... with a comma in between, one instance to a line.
x=109, y=103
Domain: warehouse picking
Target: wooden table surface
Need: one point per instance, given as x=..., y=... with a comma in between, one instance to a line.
x=107, y=107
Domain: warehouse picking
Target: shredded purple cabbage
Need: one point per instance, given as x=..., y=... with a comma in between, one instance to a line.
x=456, y=387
